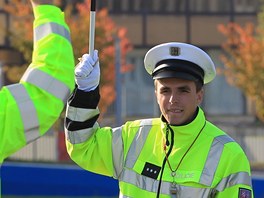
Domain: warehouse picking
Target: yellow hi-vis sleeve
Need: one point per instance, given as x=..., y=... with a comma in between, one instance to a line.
x=29, y=108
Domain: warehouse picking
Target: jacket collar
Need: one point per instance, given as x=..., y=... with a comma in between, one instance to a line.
x=190, y=129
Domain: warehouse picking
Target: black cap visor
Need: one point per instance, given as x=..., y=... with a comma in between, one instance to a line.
x=181, y=69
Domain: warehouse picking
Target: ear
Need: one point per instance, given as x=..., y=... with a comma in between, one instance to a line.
x=155, y=89
x=156, y=94
x=199, y=96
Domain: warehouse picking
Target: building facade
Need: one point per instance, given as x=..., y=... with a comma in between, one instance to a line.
x=151, y=22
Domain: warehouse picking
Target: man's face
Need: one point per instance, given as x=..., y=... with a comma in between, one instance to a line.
x=177, y=99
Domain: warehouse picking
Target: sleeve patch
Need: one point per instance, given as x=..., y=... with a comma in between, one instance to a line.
x=244, y=193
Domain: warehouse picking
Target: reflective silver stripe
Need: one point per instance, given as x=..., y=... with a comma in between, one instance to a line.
x=122, y=196
x=213, y=159
x=117, y=151
x=80, y=136
x=234, y=179
x=143, y=182
x=49, y=28
x=138, y=142
x=187, y=192
x=47, y=83
x=151, y=185
x=27, y=111
x=80, y=114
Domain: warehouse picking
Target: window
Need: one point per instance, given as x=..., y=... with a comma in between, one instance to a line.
x=246, y=5
x=4, y=24
x=220, y=97
x=209, y=5
x=3, y=27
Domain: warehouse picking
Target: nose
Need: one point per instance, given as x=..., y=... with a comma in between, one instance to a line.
x=174, y=98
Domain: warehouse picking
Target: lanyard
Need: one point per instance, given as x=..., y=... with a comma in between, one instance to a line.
x=173, y=189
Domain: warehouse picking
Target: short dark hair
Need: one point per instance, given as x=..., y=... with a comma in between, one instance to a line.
x=198, y=84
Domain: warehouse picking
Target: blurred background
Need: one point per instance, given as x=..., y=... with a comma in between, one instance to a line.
x=230, y=31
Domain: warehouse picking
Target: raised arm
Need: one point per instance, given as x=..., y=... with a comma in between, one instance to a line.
x=29, y=108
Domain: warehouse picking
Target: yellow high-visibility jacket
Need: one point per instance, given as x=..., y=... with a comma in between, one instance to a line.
x=29, y=108
x=202, y=161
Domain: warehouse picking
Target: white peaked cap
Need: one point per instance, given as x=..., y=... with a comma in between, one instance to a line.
x=179, y=60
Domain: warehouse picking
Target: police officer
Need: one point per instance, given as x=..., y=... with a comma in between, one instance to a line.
x=29, y=108
x=180, y=154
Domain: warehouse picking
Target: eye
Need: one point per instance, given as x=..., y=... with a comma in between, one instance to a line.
x=164, y=90
x=184, y=90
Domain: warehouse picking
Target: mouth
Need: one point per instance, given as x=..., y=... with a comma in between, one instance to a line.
x=175, y=110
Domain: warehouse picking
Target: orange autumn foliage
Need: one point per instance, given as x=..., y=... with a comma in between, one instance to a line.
x=105, y=33
x=244, y=61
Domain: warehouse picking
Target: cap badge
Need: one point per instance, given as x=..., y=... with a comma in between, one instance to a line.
x=174, y=51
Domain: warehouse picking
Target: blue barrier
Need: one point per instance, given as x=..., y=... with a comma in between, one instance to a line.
x=258, y=187
x=27, y=179
x=54, y=180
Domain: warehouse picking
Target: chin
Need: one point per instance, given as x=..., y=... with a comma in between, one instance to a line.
x=174, y=122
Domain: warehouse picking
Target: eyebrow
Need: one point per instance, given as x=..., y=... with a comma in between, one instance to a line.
x=185, y=87
x=181, y=88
